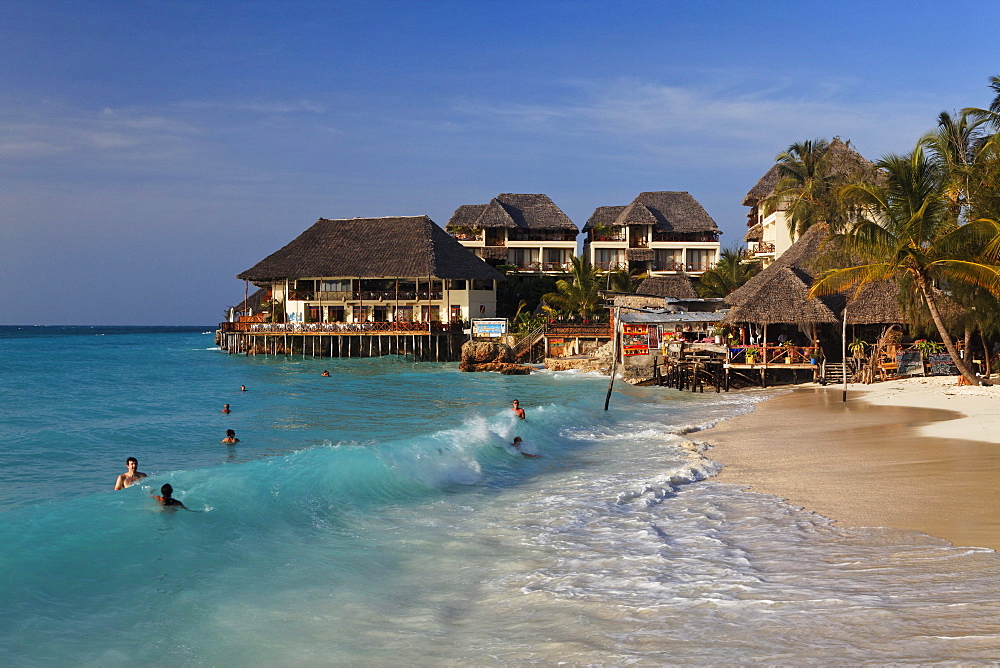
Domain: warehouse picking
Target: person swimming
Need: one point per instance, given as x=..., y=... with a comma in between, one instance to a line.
x=131, y=476
x=525, y=449
x=225, y=408
x=325, y=373
x=230, y=437
x=518, y=411
x=168, y=497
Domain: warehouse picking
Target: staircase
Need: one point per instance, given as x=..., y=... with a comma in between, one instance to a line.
x=526, y=344
x=833, y=372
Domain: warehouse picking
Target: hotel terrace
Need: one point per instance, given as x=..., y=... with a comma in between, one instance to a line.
x=526, y=231
x=661, y=233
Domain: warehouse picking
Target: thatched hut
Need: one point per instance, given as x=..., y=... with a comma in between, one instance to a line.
x=377, y=270
x=526, y=231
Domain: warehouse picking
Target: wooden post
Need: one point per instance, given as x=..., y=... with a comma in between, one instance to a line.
x=614, y=361
x=843, y=346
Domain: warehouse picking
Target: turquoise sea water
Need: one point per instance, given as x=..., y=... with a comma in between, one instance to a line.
x=377, y=517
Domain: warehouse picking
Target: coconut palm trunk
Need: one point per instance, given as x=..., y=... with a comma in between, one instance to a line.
x=949, y=343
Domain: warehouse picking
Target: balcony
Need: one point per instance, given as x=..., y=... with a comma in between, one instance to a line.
x=541, y=236
x=341, y=327
x=363, y=295
x=763, y=248
x=559, y=267
x=676, y=236
x=467, y=236
x=610, y=266
x=606, y=236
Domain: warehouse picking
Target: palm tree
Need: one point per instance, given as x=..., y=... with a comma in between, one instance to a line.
x=622, y=280
x=580, y=295
x=811, y=174
x=906, y=229
x=958, y=146
x=729, y=273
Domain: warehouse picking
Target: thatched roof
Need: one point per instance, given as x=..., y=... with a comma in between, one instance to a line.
x=876, y=304
x=783, y=298
x=513, y=211
x=667, y=211
x=397, y=247
x=603, y=216
x=754, y=233
x=842, y=157
x=778, y=293
x=677, y=287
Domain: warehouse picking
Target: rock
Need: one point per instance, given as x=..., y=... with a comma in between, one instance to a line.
x=490, y=356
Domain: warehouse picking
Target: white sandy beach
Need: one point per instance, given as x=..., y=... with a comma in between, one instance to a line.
x=916, y=453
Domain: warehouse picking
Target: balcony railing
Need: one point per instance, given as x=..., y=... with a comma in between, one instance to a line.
x=596, y=329
x=608, y=236
x=610, y=266
x=541, y=236
x=543, y=266
x=638, y=243
x=700, y=266
x=675, y=236
x=363, y=295
x=668, y=266
x=468, y=236
x=339, y=327
x=777, y=354
x=763, y=248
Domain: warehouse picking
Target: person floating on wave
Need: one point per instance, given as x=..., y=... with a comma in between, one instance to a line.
x=518, y=411
x=525, y=449
x=168, y=497
x=225, y=408
x=230, y=437
x=131, y=476
x=325, y=373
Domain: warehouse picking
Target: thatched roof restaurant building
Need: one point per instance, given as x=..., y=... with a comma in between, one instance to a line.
x=661, y=233
x=523, y=230
x=365, y=276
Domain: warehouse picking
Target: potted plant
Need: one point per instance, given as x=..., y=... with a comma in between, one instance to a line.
x=858, y=347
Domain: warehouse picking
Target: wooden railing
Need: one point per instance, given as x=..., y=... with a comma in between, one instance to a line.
x=773, y=355
x=596, y=329
x=339, y=327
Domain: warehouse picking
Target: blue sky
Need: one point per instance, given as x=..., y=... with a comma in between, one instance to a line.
x=150, y=151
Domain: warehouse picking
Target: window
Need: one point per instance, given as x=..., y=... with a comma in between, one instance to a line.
x=312, y=313
x=456, y=284
x=456, y=314
x=482, y=284
x=429, y=313
x=609, y=259
x=335, y=285
x=700, y=260
x=522, y=258
x=669, y=259
x=335, y=314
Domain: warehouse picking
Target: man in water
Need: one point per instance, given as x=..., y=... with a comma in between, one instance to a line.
x=131, y=476
x=243, y=388
x=325, y=373
x=518, y=411
x=230, y=437
x=225, y=408
x=522, y=447
x=168, y=497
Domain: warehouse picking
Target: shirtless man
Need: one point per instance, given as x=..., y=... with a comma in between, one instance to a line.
x=132, y=476
x=225, y=408
x=518, y=411
x=230, y=437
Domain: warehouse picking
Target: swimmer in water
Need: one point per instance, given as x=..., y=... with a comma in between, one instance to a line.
x=230, y=437
x=243, y=388
x=225, y=408
x=518, y=411
x=131, y=476
x=520, y=446
x=325, y=373
x=168, y=497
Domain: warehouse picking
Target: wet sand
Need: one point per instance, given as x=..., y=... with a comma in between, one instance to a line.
x=863, y=464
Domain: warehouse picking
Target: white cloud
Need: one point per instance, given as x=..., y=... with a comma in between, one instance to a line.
x=713, y=123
